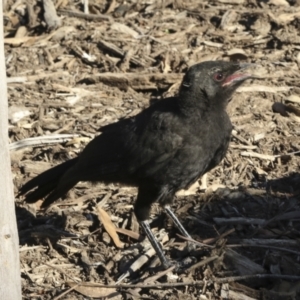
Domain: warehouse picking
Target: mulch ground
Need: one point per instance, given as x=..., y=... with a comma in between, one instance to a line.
x=75, y=66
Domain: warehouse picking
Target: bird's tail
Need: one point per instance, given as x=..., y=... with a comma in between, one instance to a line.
x=50, y=183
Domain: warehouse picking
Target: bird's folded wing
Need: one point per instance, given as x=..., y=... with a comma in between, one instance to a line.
x=154, y=145
x=140, y=146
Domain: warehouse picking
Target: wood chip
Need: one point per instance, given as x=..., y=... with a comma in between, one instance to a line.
x=258, y=155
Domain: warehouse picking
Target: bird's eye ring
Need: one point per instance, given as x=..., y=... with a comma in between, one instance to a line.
x=218, y=76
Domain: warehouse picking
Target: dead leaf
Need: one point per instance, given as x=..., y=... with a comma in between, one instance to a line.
x=109, y=226
x=89, y=290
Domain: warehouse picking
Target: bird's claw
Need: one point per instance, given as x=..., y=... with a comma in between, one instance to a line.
x=181, y=266
x=191, y=247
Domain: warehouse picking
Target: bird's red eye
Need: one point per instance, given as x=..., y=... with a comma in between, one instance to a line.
x=218, y=76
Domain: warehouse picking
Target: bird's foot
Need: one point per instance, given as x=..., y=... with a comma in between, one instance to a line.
x=191, y=247
x=180, y=266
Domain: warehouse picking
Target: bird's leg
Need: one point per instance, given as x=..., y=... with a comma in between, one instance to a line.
x=149, y=193
x=191, y=245
x=176, y=221
x=155, y=244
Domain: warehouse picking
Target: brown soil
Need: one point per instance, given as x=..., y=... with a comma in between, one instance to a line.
x=73, y=74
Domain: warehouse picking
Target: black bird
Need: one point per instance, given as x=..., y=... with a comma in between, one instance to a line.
x=161, y=150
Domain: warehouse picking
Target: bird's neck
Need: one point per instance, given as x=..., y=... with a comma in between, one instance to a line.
x=194, y=105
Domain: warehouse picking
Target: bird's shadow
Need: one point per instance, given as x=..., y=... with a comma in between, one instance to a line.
x=199, y=219
x=33, y=227
x=289, y=184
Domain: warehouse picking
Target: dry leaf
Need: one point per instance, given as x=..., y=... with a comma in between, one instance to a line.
x=109, y=226
x=89, y=290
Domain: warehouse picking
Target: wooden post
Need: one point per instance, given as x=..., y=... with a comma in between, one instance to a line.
x=10, y=278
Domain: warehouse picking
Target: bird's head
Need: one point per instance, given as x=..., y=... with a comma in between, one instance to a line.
x=213, y=82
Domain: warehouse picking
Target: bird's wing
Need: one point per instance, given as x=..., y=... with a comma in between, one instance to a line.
x=135, y=146
x=156, y=140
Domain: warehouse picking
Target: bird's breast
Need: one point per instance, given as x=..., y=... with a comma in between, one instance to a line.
x=204, y=148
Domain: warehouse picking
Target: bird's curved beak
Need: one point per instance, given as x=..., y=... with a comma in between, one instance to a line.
x=239, y=76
